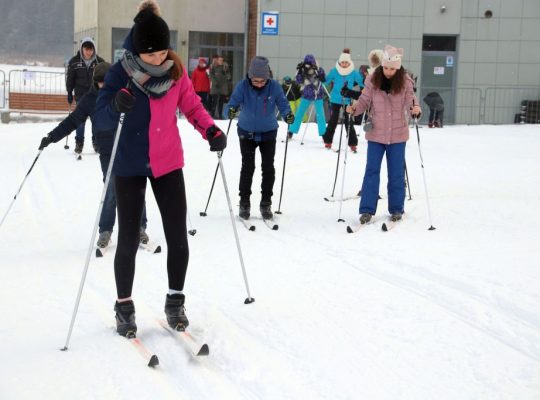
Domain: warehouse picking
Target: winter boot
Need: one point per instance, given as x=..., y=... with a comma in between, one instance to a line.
x=266, y=211
x=245, y=208
x=430, y=124
x=143, y=238
x=365, y=218
x=396, y=217
x=328, y=146
x=175, y=312
x=79, y=146
x=125, y=319
x=104, y=239
x=353, y=149
x=289, y=135
x=95, y=146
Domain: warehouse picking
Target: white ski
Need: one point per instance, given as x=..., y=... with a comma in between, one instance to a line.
x=333, y=198
x=248, y=225
x=151, y=247
x=196, y=349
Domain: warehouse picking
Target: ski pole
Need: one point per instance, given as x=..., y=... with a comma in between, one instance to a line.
x=344, y=169
x=431, y=227
x=307, y=123
x=20, y=187
x=203, y=213
x=91, y=246
x=339, y=150
x=408, y=183
x=283, y=173
x=249, y=299
x=66, y=146
x=191, y=231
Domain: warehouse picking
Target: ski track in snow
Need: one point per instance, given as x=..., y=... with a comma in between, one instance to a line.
x=408, y=314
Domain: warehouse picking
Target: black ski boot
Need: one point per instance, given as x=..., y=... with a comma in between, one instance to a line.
x=266, y=210
x=79, y=146
x=244, y=210
x=125, y=319
x=176, y=312
x=396, y=217
x=365, y=218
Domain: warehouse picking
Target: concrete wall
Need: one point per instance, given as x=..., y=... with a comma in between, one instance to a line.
x=181, y=15
x=504, y=49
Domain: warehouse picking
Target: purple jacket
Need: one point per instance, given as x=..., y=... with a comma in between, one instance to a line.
x=390, y=112
x=311, y=78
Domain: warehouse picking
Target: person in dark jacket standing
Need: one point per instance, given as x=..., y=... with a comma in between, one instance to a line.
x=147, y=86
x=86, y=108
x=293, y=93
x=258, y=96
x=79, y=80
x=220, y=75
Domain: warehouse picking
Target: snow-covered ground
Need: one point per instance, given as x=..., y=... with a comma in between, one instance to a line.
x=409, y=314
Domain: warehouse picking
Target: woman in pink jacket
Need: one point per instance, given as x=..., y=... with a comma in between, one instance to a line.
x=389, y=99
x=149, y=84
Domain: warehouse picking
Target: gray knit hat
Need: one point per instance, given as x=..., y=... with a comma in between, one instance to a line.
x=259, y=68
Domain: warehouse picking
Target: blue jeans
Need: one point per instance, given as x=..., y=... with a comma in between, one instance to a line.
x=395, y=162
x=108, y=212
x=302, y=108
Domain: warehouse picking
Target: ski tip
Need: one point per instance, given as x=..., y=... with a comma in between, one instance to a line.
x=252, y=228
x=384, y=227
x=275, y=227
x=431, y=228
x=249, y=300
x=341, y=220
x=157, y=250
x=192, y=232
x=202, y=214
x=99, y=253
x=349, y=229
x=204, y=350
x=154, y=361
x=326, y=199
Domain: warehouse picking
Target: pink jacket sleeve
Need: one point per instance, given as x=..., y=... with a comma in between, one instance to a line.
x=410, y=98
x=189, y=103
x=363, y=102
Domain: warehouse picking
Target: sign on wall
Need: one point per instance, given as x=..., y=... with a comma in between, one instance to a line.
x=270, y=23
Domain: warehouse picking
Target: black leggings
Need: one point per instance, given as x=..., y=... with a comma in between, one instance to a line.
x=332, y=123
x=170, y=194
x=268, y=150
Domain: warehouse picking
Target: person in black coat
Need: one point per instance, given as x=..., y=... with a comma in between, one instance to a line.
x=436, y=109
x=79, y=80
x=104, y=144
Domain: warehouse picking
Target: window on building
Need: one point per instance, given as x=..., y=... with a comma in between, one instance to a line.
x=439, y=43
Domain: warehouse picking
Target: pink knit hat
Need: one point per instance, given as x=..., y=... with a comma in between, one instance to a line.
x=392, y=57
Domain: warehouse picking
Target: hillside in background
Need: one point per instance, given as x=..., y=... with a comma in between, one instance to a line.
x=36, y=31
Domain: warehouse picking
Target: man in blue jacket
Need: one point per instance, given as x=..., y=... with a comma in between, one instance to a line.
x=258, y=96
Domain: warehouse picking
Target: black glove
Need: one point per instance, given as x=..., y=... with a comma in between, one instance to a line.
x=45, y=142
x=216, y=139
x=350, y=94
x=416, y=116
x=233, y=112
x=124, y=101
x=289, y=118
x=70, y=98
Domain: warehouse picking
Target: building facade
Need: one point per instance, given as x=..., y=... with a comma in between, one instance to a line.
x=482, y=56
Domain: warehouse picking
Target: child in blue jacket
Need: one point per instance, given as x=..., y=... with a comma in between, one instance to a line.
x=258, y=95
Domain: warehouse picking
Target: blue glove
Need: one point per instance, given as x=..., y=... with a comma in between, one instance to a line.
x=70, y=98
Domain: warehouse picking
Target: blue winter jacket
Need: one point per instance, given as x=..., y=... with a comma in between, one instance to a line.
x=259, y=107
x=352, y=79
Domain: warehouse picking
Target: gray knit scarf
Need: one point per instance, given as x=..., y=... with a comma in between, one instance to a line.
x=154, y=80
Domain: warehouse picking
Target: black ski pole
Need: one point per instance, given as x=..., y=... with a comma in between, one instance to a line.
x=431, y=227
x=66, y=146
x=408, y=183
x=351, y=122
x=20, y=187
x=339, y=151
x=283, y=173
x=203, y=213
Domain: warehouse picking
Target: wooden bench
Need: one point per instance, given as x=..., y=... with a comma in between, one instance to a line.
x=40, y=103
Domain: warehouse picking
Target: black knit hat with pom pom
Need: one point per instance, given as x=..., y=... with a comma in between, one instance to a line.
x=150, y=32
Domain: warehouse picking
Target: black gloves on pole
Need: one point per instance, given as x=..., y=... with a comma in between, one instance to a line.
x=124, y=101
x=216, y=139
